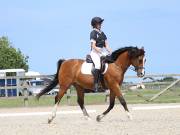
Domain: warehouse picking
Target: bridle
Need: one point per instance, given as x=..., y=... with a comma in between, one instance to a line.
x=136, y=68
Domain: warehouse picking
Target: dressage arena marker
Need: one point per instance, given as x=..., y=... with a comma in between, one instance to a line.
x=155, y=107
x=43, y=113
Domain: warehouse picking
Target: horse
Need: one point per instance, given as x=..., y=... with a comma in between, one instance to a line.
x=69, y=73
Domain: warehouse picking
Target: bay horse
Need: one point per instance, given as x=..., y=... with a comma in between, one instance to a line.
x=69, y=73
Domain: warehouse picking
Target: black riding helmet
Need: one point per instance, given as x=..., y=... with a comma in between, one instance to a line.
x=96, y=20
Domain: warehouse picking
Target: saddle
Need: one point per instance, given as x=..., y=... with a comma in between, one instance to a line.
x=88, y=68
x=103, y=59
x=89, y=59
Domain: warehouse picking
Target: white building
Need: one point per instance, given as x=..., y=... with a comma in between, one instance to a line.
x=9, y=81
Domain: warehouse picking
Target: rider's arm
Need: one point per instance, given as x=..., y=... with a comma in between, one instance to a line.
x=106, y=44
x=107, y=47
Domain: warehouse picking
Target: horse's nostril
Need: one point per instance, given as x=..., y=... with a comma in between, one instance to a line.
x=140, y=74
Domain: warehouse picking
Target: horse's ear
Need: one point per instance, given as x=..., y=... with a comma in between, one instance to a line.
x=142, y=47
x=142, y=51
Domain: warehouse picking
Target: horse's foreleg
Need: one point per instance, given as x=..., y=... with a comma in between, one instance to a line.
x=57, y=101
x=111, y=105
x=123, y=103
x=118, y=93
x=80, y=100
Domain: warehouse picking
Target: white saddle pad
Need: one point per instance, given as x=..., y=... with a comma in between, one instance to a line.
x=87, y=67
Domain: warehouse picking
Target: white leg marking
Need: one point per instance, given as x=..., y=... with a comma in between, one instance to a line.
x=88, y=118
x=53, y=115
x=86, y=114
x=129, y=115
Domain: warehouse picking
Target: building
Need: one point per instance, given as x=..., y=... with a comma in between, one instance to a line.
x=10, y=82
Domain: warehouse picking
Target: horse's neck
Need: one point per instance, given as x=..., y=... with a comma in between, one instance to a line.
x=123, y=61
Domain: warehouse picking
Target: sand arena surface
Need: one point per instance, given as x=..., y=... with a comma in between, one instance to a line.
x=164, y=121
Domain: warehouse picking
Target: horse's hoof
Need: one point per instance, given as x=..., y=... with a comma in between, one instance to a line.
x=129, y=116
x=98, y=118
x=88, y=118
x=49, y=121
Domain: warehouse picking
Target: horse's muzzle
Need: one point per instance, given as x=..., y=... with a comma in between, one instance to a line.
x=141, y=74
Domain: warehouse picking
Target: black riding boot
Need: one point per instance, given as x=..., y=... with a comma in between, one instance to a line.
x=96, y=73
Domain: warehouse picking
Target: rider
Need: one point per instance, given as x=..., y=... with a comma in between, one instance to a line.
x=99, y=47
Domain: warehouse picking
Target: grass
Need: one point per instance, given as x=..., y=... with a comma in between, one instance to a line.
x=170, y=96
x=167, y=97
x=48, y=101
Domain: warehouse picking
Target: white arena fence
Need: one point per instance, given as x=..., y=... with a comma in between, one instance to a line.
x=12, y=86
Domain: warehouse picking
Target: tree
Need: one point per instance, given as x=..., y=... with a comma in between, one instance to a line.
x=168, y=79
x=11, y=57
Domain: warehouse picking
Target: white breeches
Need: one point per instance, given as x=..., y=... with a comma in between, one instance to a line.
x=96, y=57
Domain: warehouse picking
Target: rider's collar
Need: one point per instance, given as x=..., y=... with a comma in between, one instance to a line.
x=97, y=30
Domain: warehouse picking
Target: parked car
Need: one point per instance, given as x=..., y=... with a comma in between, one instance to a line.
x=47, y=81
x=35, y=86
x=53, y=91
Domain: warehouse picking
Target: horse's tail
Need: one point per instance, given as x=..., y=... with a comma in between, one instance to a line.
x=53, y=83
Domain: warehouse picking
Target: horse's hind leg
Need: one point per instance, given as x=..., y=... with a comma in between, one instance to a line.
x=80, y=100
x=58, y=97
x=111, y=105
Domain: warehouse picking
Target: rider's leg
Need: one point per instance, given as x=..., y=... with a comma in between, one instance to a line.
x=96, y=73
x=96, y=59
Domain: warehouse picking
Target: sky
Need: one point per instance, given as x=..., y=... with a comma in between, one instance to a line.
x=48, y=30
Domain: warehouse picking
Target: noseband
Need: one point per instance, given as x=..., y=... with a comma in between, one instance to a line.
x=136, y=68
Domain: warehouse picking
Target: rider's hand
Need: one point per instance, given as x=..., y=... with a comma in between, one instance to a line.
x=108, y=48
x=98, y=50
x=110, y=51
